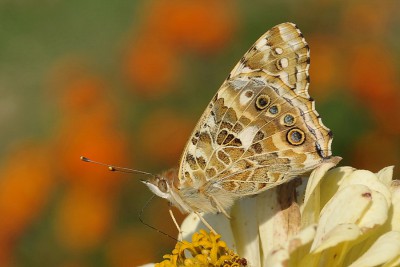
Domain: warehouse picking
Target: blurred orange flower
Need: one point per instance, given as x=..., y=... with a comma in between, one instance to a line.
x=203, y=25
x=164, y=135
x=153, y=61
x=324, y=72
x=7, y=254
x=79, y=92
x=372, y=76
x=87, y=127
x=26, y=183
x=82, y=93
x=152, y=67
x=86, y=136
x=83, y=219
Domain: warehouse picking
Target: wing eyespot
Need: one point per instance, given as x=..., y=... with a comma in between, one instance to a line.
x=262, y=102
x=295, y=137
x=288, y=120
x=273, y=110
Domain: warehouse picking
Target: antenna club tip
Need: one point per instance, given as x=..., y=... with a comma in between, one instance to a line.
x=112, y=168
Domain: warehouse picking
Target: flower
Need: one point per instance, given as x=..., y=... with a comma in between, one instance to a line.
x=204, y=250
x=340, y=217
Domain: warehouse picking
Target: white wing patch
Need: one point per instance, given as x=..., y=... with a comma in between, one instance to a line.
x=247, y=136
x=245, y=97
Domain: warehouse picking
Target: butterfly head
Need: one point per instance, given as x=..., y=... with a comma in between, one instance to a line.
x=159, y=186
x=163, y=185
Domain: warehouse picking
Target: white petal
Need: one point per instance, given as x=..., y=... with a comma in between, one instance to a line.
x=369, y=179
x=386, y=175
x=376, y=214
x=267, y=208
x=335, y=246
x=385, y=249
x=278, y=215
x=315, y=178
x=347, y=206
x=330, y=184
x=277, y=258
x=295, y=251
x=304, y=237
x=299, y=246
x=339, y=234
x=190, y=225
x=311, y=207
x=222, y=225
x=147, y=265
x=395, y=211
x=245, y=230
x=393, y=263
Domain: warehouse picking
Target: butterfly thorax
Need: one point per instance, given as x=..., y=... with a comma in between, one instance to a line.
x=188, y=196
x=206, y=197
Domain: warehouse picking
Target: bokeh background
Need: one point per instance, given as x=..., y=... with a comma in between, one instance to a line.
x=124, y=82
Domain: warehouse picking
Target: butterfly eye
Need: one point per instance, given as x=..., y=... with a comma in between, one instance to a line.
x=162, y=185
x=296, y=137
x=262, y=102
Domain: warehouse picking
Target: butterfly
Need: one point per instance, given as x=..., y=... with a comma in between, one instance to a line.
x=260, y=130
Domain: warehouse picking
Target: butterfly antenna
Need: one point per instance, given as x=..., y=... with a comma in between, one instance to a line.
x=115, y=168
x=150, y=226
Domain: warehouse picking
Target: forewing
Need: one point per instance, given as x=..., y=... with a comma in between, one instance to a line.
x=261, y=128
x=281, y=52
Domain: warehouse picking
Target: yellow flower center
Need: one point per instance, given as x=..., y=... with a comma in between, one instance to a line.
x=206, y=249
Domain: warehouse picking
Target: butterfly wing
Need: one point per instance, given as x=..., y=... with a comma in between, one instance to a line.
x=261, y=128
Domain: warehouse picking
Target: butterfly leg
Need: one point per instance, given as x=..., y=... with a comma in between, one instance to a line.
x=176, y=224
x=219, y=207
x=205, y=222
